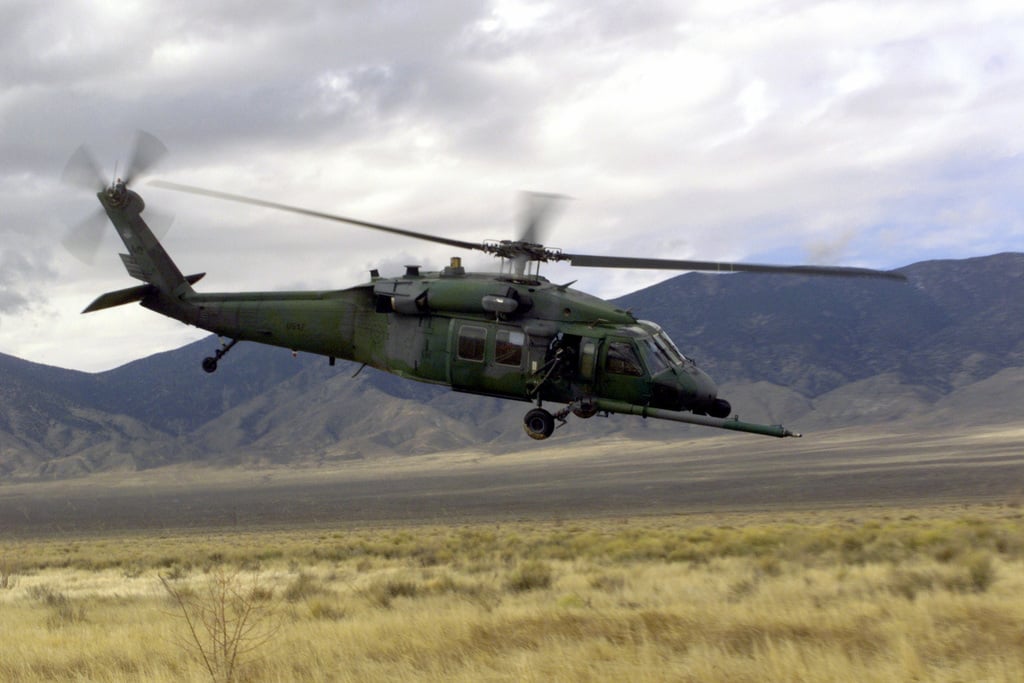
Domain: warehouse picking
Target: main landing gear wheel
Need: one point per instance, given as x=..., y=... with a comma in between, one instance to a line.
x=210, y=364
x=539, y=424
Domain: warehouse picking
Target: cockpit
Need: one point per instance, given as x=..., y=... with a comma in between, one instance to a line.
x=665, y=378
x=658, y=351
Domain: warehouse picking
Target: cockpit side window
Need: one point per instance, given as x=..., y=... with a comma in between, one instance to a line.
x=621, y=359
x=656, y=358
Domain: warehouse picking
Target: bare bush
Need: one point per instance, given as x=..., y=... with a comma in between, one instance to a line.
x=228, y=619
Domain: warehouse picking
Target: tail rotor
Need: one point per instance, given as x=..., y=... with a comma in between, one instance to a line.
x=84, y=172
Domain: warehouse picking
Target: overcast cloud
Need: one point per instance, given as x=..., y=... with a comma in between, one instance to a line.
x=855, y=133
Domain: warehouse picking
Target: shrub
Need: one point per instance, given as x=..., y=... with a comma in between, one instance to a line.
x=383, y=591
x=304, y=586
x=980, y=572
x=8, y=578
x=62, y=610
x=528, y=576
x=607, y=582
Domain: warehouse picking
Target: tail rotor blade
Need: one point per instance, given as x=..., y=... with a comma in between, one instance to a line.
x=147, y=151
x=158, y=221
x=83, y=240
x=83, y=171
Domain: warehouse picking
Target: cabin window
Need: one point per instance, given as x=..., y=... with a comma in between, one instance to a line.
x=622, y=360
x=471, y=342
x=508, y=347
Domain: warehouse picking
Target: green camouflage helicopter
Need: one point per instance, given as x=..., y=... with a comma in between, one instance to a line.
x=511, y=334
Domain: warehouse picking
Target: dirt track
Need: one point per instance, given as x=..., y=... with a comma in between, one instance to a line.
x=618, y=478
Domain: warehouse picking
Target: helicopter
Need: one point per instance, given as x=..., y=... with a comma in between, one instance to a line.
x=510, y=334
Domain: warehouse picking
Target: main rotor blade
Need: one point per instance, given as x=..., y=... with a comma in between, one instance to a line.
x=177, y=187
x=715, y=266
x=83, y=171
x=146, y=152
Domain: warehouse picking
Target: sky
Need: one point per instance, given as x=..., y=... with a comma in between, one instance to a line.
x=856, y=133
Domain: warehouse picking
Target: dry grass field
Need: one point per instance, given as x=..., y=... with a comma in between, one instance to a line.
x=849, y=556
x=872, y=594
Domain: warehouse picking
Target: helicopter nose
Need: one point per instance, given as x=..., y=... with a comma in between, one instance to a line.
x=705, y=390
x=707, y=401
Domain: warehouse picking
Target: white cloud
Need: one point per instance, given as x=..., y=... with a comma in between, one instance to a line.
x=710, y=130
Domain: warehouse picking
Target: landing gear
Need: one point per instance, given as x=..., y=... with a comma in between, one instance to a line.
x=210, y=362
x=584, y=409
x=539, y=424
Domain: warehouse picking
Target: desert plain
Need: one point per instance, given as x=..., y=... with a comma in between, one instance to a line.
x=849, y=555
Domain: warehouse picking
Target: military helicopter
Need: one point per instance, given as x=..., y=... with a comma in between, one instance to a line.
x=511, y=334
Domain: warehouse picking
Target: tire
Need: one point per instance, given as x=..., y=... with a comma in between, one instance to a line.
x=539, y=424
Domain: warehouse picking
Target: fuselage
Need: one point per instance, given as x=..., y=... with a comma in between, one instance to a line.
x=524, y=339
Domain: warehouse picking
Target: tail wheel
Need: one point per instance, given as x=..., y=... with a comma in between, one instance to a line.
x=539, y=424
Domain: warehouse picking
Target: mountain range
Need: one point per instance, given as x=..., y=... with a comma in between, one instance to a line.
x=946, y=349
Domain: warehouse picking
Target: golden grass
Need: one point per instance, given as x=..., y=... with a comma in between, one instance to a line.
x=867, y=595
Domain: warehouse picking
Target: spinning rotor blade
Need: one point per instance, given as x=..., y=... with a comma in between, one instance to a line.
x=146, y=152
x=529, y=249
x=83, y=171
x=159, y=222
x=83, y=240
x=538, y=210
x=715, y=266
x=316, y=214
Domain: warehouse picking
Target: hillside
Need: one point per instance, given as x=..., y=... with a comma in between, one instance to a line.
x=811, y=353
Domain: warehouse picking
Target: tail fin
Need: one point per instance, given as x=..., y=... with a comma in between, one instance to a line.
x=146, y=259
x=166, y=289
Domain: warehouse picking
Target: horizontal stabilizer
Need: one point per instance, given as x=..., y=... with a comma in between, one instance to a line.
x=130, y=295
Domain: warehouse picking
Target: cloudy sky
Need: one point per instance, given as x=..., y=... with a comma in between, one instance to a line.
x=855, y=133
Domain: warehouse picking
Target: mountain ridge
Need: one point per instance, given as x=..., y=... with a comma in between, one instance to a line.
x=825, y=352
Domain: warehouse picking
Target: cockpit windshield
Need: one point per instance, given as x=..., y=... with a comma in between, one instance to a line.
x=664, y=345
